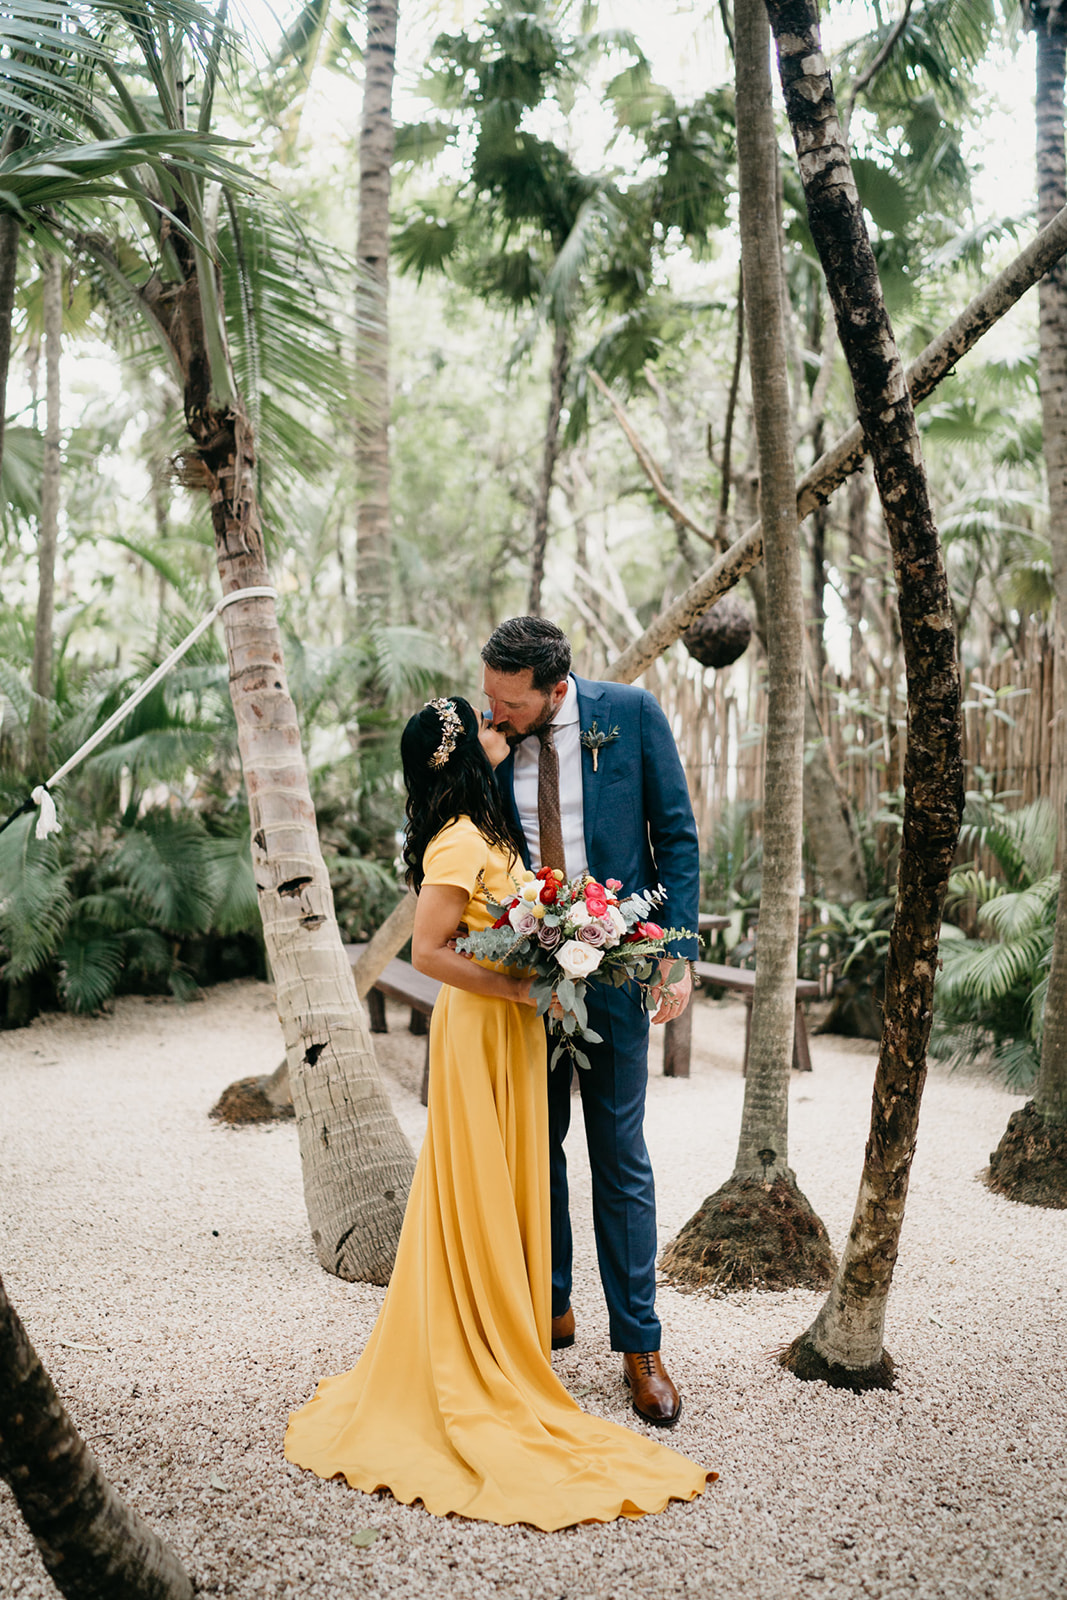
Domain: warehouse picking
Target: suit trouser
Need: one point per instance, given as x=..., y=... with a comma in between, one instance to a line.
x=624, y=1199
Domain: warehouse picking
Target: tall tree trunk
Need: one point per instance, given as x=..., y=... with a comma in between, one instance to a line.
x=1030, y=1162
x=557, y=380
x=93, y=1544
x=845, y=1343
x=846, y=454
x=357, y=1164
x=376, y=141
x=13, y=139
x=48, y=526
x=780, y=1242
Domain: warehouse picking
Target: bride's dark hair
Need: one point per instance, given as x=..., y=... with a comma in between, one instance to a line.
x=460, y=785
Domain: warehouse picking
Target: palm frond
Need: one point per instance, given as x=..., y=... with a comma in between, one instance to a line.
x=1013, y=916
x=89, y=970
x=34, y=899
x=168, y=865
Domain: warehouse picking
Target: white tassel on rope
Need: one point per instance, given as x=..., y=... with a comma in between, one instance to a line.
x=47, y=821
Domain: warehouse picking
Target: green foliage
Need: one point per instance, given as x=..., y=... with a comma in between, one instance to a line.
x=990, y=993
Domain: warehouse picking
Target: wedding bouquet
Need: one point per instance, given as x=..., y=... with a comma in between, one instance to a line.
x=570, y=933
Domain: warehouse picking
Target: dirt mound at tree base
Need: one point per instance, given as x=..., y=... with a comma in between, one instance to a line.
x=246, y=1101
x=1030, y=1162
x=752, y=1235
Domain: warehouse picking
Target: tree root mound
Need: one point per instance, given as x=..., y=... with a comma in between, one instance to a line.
x=246, y=1101
x=752, y=1235
x=804, y=1362
x=1030, y=1162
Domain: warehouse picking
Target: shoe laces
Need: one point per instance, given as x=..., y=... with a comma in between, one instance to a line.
x=645, y=1360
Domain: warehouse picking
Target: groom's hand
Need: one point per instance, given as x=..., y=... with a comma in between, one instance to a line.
x=671, y=998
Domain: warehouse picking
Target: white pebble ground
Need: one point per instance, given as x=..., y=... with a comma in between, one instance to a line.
x=162, y=1266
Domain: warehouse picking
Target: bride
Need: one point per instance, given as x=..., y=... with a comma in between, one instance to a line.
x=453, y=1401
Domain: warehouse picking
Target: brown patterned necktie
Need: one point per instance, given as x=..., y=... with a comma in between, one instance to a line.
x=549, y=820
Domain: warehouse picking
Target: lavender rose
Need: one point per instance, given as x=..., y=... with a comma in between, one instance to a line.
x=593, y=933
x=522, y=920
x=548, y=938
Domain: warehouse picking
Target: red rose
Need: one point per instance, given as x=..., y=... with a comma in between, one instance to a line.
x=501, y=921
x=549, y=892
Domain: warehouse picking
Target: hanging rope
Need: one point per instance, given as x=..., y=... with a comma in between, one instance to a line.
x=41, y=797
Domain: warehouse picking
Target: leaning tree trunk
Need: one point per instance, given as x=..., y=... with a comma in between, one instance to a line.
x=1030, y=1162
x=93, y=1544
x=13, y=140
x=376, y=142
x=357, y=1164
x=845, y=1343
x=758, y=1229
x=550, y=454
x=847, y=453
x=48, y=525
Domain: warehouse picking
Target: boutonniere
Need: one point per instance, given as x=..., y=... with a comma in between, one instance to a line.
x=594, y=741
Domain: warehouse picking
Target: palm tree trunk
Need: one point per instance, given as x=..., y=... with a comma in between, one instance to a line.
x=48, y=528
x=561, y=357
x=13, y=139
x=780, y=1242
x=847, y=453
x=357, y=1164
x=376, y=141
x=93, y=1544
x=845, y=1343
x=1030, y=1162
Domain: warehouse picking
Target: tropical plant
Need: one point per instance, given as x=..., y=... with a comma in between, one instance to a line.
x=990, y=993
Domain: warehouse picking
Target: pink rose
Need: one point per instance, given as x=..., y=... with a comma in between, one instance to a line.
x=612, y=883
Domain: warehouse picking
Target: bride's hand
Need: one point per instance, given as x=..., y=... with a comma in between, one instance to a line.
x=524, y=997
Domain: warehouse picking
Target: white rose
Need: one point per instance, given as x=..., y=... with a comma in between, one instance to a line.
x=578, y=960
x=578, y=914
x=617, y=920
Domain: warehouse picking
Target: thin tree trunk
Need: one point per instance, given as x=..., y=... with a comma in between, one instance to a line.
x=357, y=1164
x=13, y=140
x=48, y=527
x=722, y=515
x=846, y=454
x=1030, y=1162
x=557, y=380
x=93, y=1544
x=714, y=1247
x=376, y=142
x=845, y=1343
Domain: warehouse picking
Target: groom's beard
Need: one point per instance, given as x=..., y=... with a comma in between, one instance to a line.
x=542, y=720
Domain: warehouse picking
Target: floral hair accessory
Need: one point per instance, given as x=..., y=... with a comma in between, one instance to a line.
x=452, y=727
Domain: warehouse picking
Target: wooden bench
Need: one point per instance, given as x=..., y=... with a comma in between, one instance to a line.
x=676, y=1049
x=402, y=982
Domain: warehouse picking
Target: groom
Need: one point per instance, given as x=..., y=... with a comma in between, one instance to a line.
x=594, y=783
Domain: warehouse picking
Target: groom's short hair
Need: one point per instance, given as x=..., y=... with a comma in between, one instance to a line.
x=532, y=642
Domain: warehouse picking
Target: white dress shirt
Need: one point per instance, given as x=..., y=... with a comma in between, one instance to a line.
x=565, y=738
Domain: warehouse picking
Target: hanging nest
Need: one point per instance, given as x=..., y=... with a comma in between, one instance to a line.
x=721, y=634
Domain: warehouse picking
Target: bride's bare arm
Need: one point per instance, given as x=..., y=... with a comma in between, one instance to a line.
x=438, y=913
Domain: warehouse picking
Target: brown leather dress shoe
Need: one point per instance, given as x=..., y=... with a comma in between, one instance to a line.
x=654, y=1396
x=563, y=1330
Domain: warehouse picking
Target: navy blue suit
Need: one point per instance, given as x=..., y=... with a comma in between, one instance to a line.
x=639, y=828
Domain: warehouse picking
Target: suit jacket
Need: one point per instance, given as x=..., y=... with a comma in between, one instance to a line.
x=639, y=823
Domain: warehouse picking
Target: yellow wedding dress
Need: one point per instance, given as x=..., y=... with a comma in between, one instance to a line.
x=454, y=1401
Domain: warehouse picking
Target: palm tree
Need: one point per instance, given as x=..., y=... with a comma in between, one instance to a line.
x=1030, y=1162
x=93, y=1544
x=48, y=524
x=376, y=141
x=357, y=1163
x=845, y=1343
x=758, y=1228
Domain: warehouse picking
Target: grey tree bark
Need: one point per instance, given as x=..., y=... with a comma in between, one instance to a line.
x=846, y=454
x=561, y=359
x=376, y=143
x=1030, y=1162
x=845, y=1343
x=758, y=1229
x=93, y=1544
x=48, y=527
x=14, y=138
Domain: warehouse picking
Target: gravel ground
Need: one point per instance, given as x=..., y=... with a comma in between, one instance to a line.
x=162, y=1266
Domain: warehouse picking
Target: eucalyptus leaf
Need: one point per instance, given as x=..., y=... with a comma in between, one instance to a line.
x=363, y=1538
x=677, y=972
